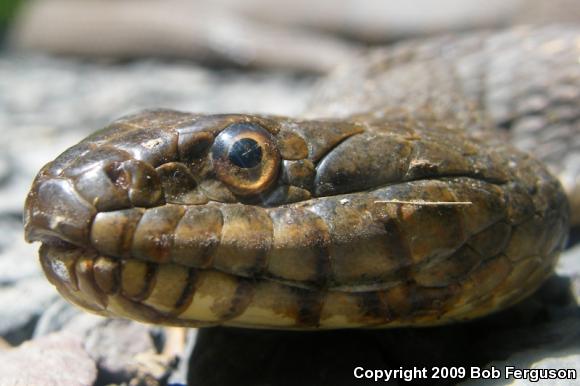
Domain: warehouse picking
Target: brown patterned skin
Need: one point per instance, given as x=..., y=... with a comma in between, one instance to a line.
x=523, y=81
x=397, y=217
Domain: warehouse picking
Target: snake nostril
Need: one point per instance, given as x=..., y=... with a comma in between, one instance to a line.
x=118, y=175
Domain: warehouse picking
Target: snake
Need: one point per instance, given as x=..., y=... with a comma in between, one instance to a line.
x=427, y=183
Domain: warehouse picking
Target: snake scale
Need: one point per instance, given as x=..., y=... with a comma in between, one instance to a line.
x=404, y=205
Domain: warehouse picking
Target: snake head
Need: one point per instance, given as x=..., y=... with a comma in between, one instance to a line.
x=184, y=219
x=160, y=157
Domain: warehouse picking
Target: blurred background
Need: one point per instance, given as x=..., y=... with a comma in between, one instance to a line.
x=68, y=67
x=300, y=35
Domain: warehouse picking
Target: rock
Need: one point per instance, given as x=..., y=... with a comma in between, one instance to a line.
x=18, y=260
x=6, y=167
x=54, y=360
x=179, y=376
x=24, y=292
x=58, y=315
x=21, y=305
x=104, y=92
x=560, y=361
x=125, y=351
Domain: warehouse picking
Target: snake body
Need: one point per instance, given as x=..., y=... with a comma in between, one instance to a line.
x=401, y=211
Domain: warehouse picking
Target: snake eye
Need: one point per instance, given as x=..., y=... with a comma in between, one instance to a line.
x=246, y=158
x=245, y=153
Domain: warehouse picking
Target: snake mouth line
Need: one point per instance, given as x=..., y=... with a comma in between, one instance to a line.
x=145, y=291
x=172, y=294
x=175, y=295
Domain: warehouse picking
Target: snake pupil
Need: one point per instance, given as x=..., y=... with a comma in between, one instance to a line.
x=245, y=153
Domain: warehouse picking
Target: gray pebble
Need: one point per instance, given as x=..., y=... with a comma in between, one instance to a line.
x=53, y=360
x=21, y=305
x=6, y=168
x=57, y=316
x=18, y=260
x=123, y=350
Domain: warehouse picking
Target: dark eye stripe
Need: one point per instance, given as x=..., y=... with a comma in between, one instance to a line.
x=245, y=153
